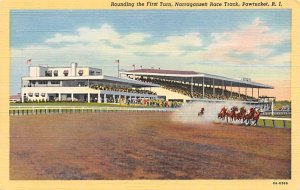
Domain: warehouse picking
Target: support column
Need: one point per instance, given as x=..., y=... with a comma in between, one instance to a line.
x=239, y=91
x=89, y=97
x=59, y=96
x=230, y=89
x=114, y=98
x=252, y=92
x=99, y=98
x=203, y=91
x=257, y=93
x=214, y=88
x=72, y=97
x=192, y=86
x=246, y=92
x=105, y=98
x=223, y=88
x=272, y=107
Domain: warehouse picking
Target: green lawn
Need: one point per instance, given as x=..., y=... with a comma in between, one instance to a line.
x=277, y=122
x=279, y=104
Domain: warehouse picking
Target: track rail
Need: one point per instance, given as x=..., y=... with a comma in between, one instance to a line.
x=36, y=110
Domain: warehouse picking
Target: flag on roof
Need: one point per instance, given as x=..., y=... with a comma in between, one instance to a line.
x=28, y=61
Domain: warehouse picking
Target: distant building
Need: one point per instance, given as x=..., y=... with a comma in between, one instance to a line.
x=15, y=98
x=84, y=84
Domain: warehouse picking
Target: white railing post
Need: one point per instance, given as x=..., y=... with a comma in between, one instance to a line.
x=274, y=123
x=284, y=123
x=264, y=121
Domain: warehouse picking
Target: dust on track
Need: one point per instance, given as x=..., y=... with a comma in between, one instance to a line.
x=143, y=146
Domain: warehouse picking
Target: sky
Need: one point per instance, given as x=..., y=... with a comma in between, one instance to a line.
x=232, y=43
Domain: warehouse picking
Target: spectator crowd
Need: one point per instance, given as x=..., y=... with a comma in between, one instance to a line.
x=185, y=89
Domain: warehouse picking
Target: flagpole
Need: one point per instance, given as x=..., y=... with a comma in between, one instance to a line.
x=118, y=68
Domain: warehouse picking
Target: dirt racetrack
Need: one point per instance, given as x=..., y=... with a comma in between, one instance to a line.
x=143, y=146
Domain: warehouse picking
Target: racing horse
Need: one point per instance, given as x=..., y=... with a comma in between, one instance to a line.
x=256, y=115
x=249, y=116
x=241, y=114
x=232, y=114
x=201, y=112
x=222, y=114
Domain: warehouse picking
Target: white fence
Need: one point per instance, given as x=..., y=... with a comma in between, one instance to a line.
x=273, y=120
x=35, y=110
x=277, y=112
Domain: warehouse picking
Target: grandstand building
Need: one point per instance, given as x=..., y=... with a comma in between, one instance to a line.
x=84, y=84
x=190, y=85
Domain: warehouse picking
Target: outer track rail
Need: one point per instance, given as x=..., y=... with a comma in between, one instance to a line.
x=36, y=110
x=274, y=119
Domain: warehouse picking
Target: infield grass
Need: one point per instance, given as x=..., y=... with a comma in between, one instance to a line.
x=278, y=123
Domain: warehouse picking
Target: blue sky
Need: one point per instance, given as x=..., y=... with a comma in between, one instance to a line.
x=233, y=43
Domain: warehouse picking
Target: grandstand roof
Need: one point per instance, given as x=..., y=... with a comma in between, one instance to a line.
x=188, y=76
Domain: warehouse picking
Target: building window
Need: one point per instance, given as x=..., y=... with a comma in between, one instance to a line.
x=81, y=84
x=92, y=72
x=36, y=94
x=55, y=82
x=55, y=73
x=48, y=73
x=43, y=94
x=30, y=94
x=42, y=82
x=66, y=72
x=80, y=72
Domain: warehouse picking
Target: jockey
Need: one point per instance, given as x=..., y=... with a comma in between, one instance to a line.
x=224, y=109
x=201, y=112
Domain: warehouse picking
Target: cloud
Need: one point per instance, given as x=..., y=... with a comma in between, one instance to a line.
x=283, y=58
x=250, y=43
x=105, y=32
x=254, y=39
x=135, y=42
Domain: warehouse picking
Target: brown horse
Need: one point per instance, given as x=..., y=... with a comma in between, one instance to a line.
x=241, y=114
x=232, y=114
x=249, y=116
x=256, y=116
x=222, y=114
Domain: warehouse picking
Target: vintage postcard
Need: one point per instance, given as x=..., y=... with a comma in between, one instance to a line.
x=149, y=94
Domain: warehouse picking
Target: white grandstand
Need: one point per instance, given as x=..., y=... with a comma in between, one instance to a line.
x=190, y=85
x=84, y=84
